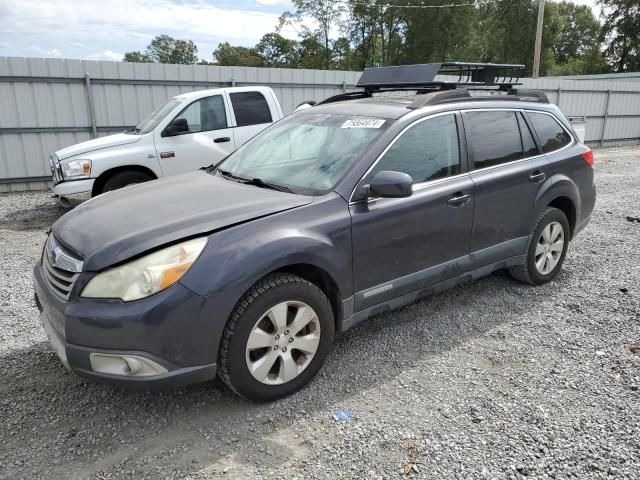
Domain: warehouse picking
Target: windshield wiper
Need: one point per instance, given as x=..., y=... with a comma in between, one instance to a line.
x=258, y=182
x=230, y=175
x=134, y=130
x=273, y=186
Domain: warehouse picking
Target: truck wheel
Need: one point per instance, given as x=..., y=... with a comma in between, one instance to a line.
x=124, y=179
x=277, y=338
x=547, y=249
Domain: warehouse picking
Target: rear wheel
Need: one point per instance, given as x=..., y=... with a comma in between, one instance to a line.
x=547, y=249
x=124, y=179
x=276, y=339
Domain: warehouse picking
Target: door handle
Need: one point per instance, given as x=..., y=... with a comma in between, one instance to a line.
x=538, y=176
x=459, y=199
x=221, y=140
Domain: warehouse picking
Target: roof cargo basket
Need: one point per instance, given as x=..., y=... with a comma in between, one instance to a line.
x=422, y=79
x=423, y=76
x=457, y=82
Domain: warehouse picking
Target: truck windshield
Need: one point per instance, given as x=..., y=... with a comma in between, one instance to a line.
x=306, y=151
x=152, y=121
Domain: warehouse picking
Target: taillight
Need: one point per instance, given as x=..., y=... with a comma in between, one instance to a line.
x=588, y=157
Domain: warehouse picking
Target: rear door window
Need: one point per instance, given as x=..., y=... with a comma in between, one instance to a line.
x=493, y=137
x=550, y=134
x=251, y=108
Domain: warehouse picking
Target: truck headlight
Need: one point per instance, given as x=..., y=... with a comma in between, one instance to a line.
x=80, y=168
x=147, y=275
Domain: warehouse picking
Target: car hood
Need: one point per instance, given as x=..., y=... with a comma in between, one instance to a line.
x=119, y=225
x=97, y=144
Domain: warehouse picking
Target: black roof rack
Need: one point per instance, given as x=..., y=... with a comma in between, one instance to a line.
x=447, y=96
x=421, y=78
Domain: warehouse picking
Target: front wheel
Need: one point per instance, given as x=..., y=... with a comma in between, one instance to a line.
x=276, y=339
x=547, y=249
x=124, y=179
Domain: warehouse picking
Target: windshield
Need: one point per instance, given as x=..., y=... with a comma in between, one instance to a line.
x=305, y=151
x=152, y=121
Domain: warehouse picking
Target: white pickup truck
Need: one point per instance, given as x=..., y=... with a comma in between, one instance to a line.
x=188, y=132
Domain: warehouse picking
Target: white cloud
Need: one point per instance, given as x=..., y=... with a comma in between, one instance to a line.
x=5, y=45
x=126, y=19
x=43, y=52
x=273, y=2
x=105, y=55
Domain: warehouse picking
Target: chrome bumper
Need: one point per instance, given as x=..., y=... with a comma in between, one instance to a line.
x=70, y=194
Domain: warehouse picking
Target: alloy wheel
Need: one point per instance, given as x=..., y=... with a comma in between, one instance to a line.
x=549, y=248
x=283, y=342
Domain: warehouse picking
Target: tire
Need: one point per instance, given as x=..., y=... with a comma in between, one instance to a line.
x=123, y=179
x=255, y=313
x=537, y=270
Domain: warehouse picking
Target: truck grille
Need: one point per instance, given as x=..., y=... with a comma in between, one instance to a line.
x=59, y=268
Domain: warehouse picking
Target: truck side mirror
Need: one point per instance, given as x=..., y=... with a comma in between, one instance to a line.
x=177, y=126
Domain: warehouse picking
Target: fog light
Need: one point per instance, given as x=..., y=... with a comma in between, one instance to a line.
x=127, y=365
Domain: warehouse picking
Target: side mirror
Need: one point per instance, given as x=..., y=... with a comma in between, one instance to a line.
x=387, y=184
x=176, y=127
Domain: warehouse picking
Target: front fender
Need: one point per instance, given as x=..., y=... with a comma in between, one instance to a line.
x=140, y=154
x=236, y=258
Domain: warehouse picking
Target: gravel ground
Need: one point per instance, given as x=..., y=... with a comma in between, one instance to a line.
x=490, y=380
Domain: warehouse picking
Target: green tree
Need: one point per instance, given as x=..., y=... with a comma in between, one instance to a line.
x=621, y=33
x=326, y=13
x=380, y=32
x=227, y=54
x=577, y=30
x=590, y=62
x=312, y=53
x=572, y=40
x=342, y=55
x=507, y=31
x=166, y=49
x=136, y=57
x=277, y=51
x=440, y=34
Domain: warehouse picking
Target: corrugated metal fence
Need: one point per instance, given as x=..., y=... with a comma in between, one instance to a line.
x=612, y=109
x=47, y=104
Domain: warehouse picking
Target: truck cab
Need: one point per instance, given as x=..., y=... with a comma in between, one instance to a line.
x=188, y=132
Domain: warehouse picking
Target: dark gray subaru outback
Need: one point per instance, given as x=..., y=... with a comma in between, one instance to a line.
x=361, y=204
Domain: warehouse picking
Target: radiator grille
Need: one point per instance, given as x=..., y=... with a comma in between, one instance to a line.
x=60, y=269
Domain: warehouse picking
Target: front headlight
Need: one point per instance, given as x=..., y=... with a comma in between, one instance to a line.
x=147, y=275
x=80, y=168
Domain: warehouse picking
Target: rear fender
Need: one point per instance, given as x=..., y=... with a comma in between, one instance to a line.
x=559, y=185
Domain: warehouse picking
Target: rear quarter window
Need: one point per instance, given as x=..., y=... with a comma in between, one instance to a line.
x=251, y=108
x=550, y=133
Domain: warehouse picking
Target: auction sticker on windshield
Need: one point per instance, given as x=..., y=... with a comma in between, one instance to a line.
x=363, y=123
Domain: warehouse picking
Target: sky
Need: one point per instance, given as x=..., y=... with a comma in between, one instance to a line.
x=106, y=29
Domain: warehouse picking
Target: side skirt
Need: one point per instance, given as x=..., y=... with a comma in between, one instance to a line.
x=416, y=295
